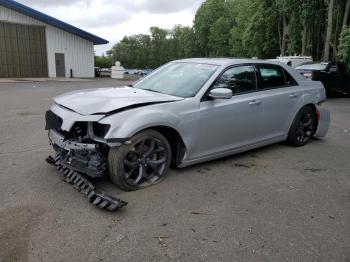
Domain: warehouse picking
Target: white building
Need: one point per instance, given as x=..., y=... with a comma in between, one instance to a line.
x=33, y=44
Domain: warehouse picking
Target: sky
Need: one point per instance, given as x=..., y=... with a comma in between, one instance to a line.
x=113, y=19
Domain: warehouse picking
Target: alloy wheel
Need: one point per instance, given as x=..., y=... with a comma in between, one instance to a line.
x=145, y=163
x=305, y=127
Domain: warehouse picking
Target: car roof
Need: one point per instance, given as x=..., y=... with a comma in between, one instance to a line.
x=224, y=62
x=227, y=61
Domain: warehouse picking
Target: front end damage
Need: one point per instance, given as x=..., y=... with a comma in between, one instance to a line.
x=79, y=142
x=87, y=158
x=81, y=151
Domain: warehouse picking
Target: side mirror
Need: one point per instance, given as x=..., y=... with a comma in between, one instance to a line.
x=220, y=93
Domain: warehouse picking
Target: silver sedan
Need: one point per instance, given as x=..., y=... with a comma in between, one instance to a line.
x=183, y=113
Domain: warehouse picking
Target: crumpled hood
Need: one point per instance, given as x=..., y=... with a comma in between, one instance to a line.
x=105, y=100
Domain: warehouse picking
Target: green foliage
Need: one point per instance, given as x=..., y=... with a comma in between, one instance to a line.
x=255, y=33
x=182, y=42
x=151, y=51
x=344, y=45
x=218, y=41
x=238, y=28
x=212, y=25
x=103, y=61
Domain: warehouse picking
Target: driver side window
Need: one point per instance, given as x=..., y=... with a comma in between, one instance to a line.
x=241, y=79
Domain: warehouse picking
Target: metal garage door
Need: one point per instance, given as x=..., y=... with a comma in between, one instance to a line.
x=22, y=51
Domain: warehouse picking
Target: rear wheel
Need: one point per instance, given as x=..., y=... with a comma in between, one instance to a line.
x=144, y=162
x=303, y=127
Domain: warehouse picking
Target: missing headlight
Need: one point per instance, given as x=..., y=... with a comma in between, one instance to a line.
x=100, y=130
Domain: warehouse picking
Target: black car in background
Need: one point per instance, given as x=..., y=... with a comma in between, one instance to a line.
x=335, y=76
x=97, y=71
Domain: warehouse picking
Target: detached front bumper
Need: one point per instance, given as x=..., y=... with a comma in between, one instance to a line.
x=89, y=159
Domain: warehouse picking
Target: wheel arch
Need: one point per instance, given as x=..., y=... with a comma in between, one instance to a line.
x=314, y=108
x=175, y=140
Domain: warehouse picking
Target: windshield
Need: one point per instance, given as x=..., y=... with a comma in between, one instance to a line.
x=178, y=79
x=312, y=67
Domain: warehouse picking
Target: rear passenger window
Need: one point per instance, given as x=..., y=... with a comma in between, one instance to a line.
x=273, y=76
x=290, y=81
x=240, y=79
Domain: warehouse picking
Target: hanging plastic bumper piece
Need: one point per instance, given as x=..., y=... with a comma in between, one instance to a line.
x=80, y=183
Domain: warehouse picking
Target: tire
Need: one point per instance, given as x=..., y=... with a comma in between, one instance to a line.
x=303, y=127
x=143, y=162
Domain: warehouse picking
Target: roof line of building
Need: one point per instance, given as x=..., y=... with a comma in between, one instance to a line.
x=52, y=21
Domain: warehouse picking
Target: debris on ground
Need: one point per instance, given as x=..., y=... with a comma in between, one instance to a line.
x=315, y=170
x=81, y=184
x=161, y=242
x=199, y=213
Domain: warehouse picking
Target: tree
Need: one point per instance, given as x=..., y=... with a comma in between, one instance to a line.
x=344, y=45
x=182, y=42
x=329, y=30
x=255, y=32
x=218, y=40
x=155, y=49
x=206, y=23
x=311, y=13
x=103, y=61
x=346, y=13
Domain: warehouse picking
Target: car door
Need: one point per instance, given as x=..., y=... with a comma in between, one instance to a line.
x=335, y=78
x=344, y=78
x=230, y=123
x=282, y=97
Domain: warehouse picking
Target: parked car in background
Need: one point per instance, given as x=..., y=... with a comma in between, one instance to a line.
x=147, y=72
x=139, y=72
x=335, y=76
x=97, y=71
x=144, y=72
x=186, y=112
x=105, y=72
x=293, y=61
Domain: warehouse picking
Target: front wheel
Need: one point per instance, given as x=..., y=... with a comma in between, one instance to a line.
x=143, y=162
x=303, y=127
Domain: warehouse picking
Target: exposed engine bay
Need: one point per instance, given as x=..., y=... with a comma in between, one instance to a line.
x=79, y=149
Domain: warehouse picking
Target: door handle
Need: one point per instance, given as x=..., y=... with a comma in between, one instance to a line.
x=293, y=95
x=255, y=102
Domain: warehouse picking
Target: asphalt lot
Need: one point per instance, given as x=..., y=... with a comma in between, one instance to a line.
x=277, y=203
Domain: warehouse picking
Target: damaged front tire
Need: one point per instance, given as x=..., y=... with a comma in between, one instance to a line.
x=142, y=163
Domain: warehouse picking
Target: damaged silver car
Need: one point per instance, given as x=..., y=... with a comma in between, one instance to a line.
x=185, y=112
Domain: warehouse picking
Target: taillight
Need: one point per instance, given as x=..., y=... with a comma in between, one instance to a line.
x=318, y=115
x=308, y=74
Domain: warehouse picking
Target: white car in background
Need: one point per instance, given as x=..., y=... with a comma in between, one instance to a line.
x=293, y=61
